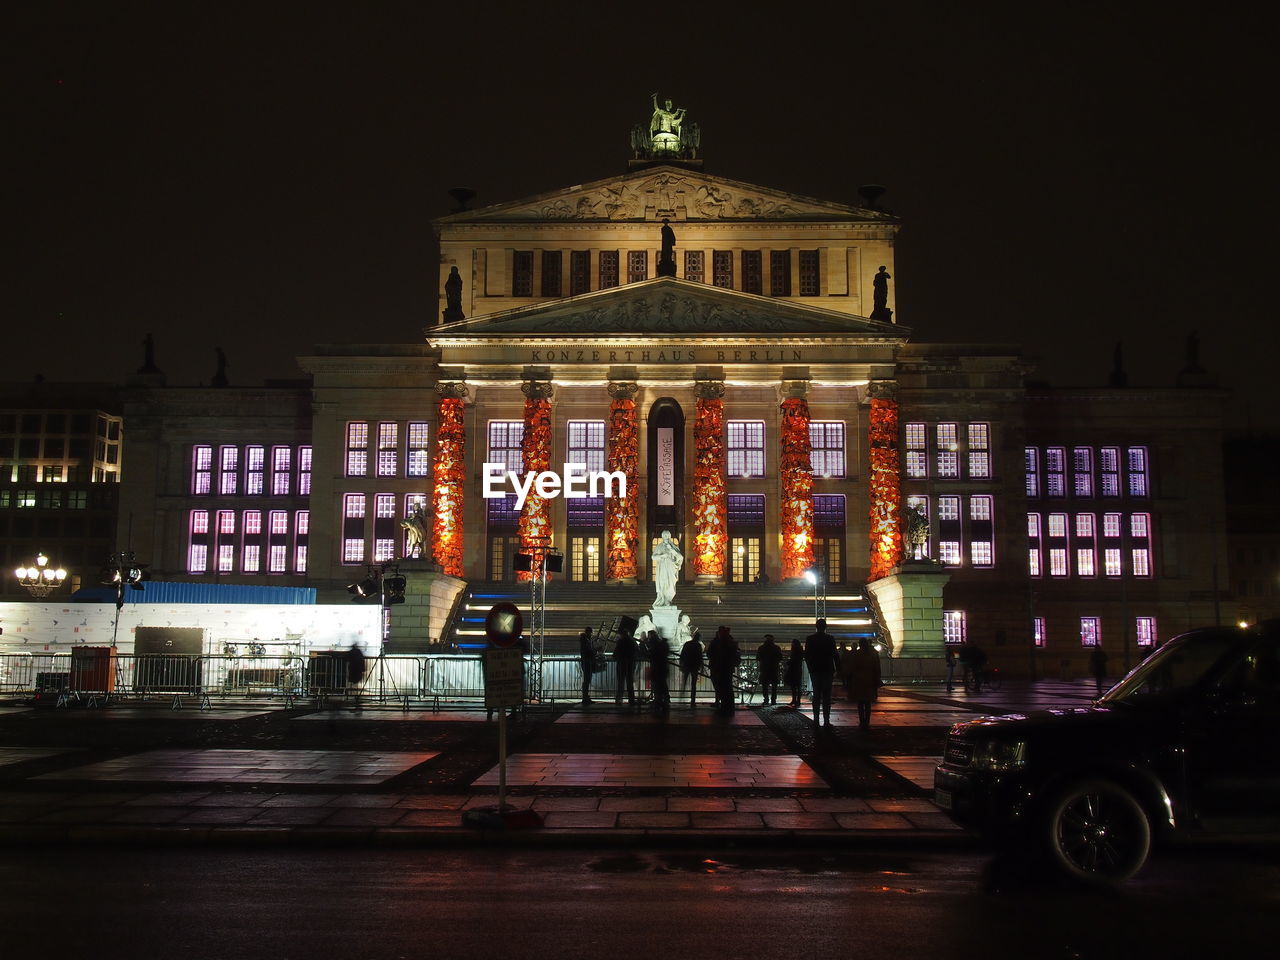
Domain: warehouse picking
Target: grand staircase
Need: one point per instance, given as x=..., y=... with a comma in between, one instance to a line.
x=750, y=611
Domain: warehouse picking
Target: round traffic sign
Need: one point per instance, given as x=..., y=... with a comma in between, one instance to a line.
x=503, y=624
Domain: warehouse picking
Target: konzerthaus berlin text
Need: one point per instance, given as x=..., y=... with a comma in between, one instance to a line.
x=734, y=351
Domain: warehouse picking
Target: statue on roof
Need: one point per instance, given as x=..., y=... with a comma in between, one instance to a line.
x=453, y=296
x=668, y=136
x=880, y=296
x=667, y=258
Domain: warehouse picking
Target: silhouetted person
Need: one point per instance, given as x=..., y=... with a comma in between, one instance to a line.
x=586, y=661
x=864, y=679
x=659, y=667
x=722, y=658
x=624, y=661
x=794, y=674
x=821, y=659
x=355, y=671
x=974, y=659
x=769, y=659
x=951, y=669
x=1098, y=666
x=691, y=663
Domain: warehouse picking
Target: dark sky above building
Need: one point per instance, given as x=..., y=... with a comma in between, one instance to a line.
x=262, y=177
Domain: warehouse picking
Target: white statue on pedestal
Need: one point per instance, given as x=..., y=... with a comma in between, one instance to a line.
x=667, y=562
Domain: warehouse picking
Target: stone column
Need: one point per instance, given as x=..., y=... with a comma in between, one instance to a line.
x=884, y=478
x=449, y=478
x=535, y=448
x=710, y=506
x=795, y=479
x=622, y=514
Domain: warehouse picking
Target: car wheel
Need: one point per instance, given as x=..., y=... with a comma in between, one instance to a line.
x=1098, y=832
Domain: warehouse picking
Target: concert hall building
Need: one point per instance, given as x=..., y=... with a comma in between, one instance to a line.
x=755, y=386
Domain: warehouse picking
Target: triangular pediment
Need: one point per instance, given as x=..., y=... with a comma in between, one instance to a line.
x=673, y=192
x=667, y=307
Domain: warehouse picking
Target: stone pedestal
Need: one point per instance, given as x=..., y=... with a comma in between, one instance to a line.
x=428, y=598
x=665, y=620
x=910, y=602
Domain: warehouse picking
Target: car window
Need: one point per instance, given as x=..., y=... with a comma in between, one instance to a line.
x=1178, y=666
x=1257, y=674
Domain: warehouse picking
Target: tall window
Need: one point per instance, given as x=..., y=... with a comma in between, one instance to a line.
x=695, y=267
x=917, y=451
x=1138, y=472
x=1109, y=471
x=1037, y=631
x=1034, y=544
x=198, y=552
x=1086, y=545
x=579, y=272
x=745, y=448
x=722, y=268
x=1033, y=472
x=353, y=510
x=637, y=265
x=1082, y=471
x=522, y=273
x=809, y=274
x=955, y=628
x=949, y=531
x=586, y=443
x=418, y=454
x=201, y=470
x=301, y=537
x=1112, y=525
x=252, y=556
x=980, y=450
x=278, y=547
x=948, y=450
x=1058, y=566
x=304, y=471
x=280, y=471
x=981, y=532
x=779, y=273
x=1140, y=544
x=504, y=444
x=357, y=449
x=384, y=527
x=226, y=541
x=1055, y=471
x=552, y=261
x=229, y=472
x=752, y=271
x=1145, y=631
x=388, y=442
x=1090, y=631
x=254, y=464
x=826, y=439
x=608, y=269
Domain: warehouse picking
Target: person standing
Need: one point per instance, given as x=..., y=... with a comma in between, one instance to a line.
x=1098, y=666
x=976, y=665
x=691, y=662
x=355, y=672
x=865, y=679
x=951, y=669
x=624, y=662
x=794, y=675
x=659, y=653
x=586, y=661
x=821, y=659
x=723, y=657
x=769, y=659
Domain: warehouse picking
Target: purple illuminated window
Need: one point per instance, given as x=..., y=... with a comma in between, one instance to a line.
x=388, y=443
x=228, y=474
x=1145, y=631
x=201, y=470
x=1033, y=544
x=1055, y=472
x=979, y=450
x=828, y=510
x=1109, y=471
x=1033, y=472
x=504, y=444
x=917, y=451
x=1037, y=631
x=279, y=522
x=252, y=558
x=826, y=441
x=280, y=470
x=948, y=450
x=357, y=449
x=1138, y=472
x=418, y=455
x=745, y=448
x=254, y=458
x=304, y=471
x=199, y=521
x=279, y=557
x=1082, y=471
x=745, y=509
x=586, y=443
x=955, y=626
x=1090, y=631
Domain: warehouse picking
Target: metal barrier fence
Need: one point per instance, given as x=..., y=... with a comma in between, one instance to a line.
x=99, y=674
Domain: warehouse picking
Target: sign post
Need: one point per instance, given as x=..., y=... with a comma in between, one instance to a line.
x=503, y=678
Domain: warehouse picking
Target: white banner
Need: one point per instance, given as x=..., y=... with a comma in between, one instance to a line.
x=666, y=467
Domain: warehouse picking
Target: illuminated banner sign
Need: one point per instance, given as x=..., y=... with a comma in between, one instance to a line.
x=666, y=467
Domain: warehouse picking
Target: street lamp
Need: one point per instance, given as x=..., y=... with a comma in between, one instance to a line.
x=40, y=580
x=812, y=576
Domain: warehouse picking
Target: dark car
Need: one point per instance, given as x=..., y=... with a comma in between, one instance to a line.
x=1184, y=745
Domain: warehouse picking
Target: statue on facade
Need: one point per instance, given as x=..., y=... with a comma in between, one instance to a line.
x=415, y=528
x=917, y=532
x=667, y=563
x=667, y=259
x=880, y=296
x=220, y=375
x=665, y=121
x=453, y=297
x=148, y=355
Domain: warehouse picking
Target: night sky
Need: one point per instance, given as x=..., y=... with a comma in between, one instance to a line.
x=1069, y=175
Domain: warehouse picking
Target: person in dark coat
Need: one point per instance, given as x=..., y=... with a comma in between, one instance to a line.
x=691, y=663
x=793, y=677
x=976, y=663
x=864, y=679
x=769, y=659
x=822, y=660
x=1098, y=666
x=659, y=665
x=586, y=661
x=624, y=661
x=355, y=671
x=722, y=657
x=951, y=669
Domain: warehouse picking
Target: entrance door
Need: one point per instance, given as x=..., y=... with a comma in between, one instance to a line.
x=828, y=557
x=744, y=559
x=666, y=470
x=584, y=558
x=502, y=551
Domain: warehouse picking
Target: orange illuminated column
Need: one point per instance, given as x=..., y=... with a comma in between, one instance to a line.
x=448, y=473
x=535, y=448
x=795, y=474
x=709, y=505
x=622, y=514
x=886, y=490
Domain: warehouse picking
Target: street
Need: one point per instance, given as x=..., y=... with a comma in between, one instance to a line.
x=564, y=903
